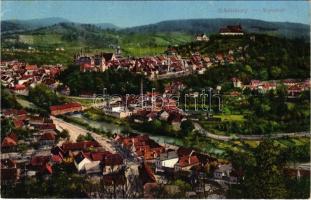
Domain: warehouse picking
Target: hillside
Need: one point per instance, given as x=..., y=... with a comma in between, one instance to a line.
x=9, y=26
x=209, y=26
x=265, y=58
x=72, y=37
x=137, y=41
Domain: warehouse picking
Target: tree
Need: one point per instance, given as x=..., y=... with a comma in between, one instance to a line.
x=275, y=72
x=43, y=96
x=64, y=134
x=186, y=127
x=264, y=178
x=8, y=100
x=6, y=126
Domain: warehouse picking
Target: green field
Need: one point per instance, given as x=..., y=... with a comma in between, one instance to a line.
x=225, y=117
x=75, y=38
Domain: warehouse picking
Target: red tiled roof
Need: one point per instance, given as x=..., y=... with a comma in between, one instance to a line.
x=39, y=160
x=65, y=106
x=87, y=66
x=188, y=161
x=18, y=123
x=26, y=76
x=47, y=136
x=294, y=172
x=98, y=156
x=13, y=136
x=183, y=151
x=8, y=142
x=56, y=158
x=19, y=87
x=113, y=159
x=231, y=29
x=45, y=126
x=47, y=168
x=31, y=67
x=294, y=88
x=79, y=145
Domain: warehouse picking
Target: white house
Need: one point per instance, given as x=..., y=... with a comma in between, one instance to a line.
x=223, y=171
x=167, y=160
x=164, y=115
x=93, y=167
x=80, y=161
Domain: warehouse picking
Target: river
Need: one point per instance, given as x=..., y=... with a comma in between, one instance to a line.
x=117, y=128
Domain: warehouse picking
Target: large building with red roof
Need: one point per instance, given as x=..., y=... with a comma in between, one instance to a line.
x=65, y=108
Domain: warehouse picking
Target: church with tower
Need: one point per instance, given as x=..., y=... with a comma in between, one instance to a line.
x=95, y=62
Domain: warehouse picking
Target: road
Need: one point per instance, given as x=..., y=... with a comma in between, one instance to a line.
x=75, y=131
x=248, y=137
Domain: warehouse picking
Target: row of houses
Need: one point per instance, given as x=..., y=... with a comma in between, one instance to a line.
x=294, y=86
x=164, y=162
x=159, y=164
x=19, y=76
x=26, y=147
x=157, y=66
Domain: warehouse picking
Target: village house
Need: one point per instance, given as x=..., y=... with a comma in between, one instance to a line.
x=15, y=113
x=294, y=90
x=20, y=89
x=166, y=161
x=222, y=171
x=185, y=163
x=80, y=161
x=117, y=110
x=98, y=162
x=9, y=143
x=225, y=172
x=40, y=163
x=112, y=163
x=202, y=37
x=236, y=82
x=47, y=139
x=75, y=148
x=10, y=173
x=65, y=108
x=140, y=146
x=164, y=115
x=231, y=30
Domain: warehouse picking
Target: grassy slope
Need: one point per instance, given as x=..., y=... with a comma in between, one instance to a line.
x=73, y=37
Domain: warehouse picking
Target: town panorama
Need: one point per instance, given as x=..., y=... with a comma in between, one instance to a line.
x=155, y=99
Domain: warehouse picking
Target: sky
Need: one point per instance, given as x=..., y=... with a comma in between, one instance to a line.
x=135, y=13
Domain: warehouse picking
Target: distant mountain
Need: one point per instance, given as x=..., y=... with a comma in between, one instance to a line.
x=23, y=25
x=107, y=26
x=8, y=26
x=209, y=26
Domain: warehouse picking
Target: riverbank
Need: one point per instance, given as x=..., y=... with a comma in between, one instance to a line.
x=106, y=125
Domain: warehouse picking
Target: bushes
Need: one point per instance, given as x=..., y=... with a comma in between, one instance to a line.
x=117, y=81
x=42, y=96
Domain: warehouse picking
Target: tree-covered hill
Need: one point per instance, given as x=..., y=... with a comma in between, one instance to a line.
x=264, y=58
x=9, y=26
x=211, y=26
x=73, y=37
